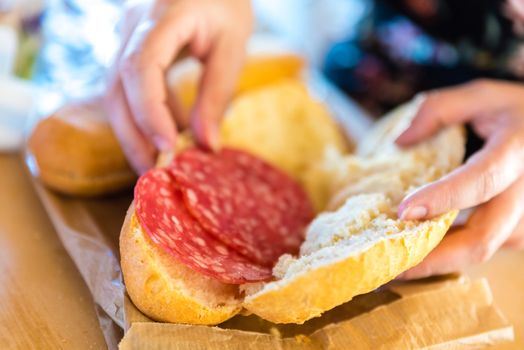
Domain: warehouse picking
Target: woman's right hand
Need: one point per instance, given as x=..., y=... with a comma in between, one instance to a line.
x=143, y=113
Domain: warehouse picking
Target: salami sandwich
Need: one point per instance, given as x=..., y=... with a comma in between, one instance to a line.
x=212, y=234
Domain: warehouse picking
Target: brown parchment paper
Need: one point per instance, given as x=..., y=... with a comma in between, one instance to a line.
x=452, y=313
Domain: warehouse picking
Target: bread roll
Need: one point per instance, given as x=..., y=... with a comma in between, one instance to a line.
x=167, y=290
x=284, y=125
x=77, y=153
x=260, y=70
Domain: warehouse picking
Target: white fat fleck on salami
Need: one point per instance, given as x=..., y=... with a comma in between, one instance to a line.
x=221, y=249
x=228, y=208
x=191, y=196
x=215, y=208
x=218, y=269
x=210, y=217
x=176, y=222
x=283, y=231
x=161, y=177
x=172, y=227
x=199, y=241
x=164, y=192
x=246, y=203
x=199, y=176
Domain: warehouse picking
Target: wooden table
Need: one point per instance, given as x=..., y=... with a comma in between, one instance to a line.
x=44, y=304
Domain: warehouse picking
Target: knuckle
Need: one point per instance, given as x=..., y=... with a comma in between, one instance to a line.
x=131, y=64
x=488, y=184
x=163, y=2
x=429, y=99
x=425, y=271
x=213, y=104
x=480, y=85
x=217, y=99
x=451, y=198
x=515, y=145
x=483, y=251
x=429, y=113
x=145, y=126
x=517, y=244
x=446, y=198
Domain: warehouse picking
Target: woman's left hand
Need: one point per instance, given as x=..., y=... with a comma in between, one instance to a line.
x=492, y=179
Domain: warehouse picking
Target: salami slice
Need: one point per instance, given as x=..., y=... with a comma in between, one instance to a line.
x=245, y=202
x=162, y=213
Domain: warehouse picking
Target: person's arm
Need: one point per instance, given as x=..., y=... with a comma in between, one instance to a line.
x=142, y=112
x=492, y=179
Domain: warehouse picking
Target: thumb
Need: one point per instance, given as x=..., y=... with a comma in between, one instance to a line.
x=486, y=174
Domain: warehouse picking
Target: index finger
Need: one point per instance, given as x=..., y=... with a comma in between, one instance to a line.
x=146, y=59
x=453, y=106
x=217, y=85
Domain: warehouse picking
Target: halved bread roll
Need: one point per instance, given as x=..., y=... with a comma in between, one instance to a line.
x=167, y=290
x=355, y=248
x=362, y=244
x=344, y=256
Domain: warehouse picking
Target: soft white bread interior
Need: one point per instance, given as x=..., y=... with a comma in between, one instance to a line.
x=380, y=164
x=166, y=290
x=361, y=244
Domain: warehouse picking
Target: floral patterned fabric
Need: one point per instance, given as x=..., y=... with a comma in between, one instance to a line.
x=406, y=46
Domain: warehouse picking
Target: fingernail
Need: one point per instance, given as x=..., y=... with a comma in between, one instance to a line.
x=414, y=213
x=402, y=139
x=214, y=144
x=213, y=139
x=162, y=144
x=398, y=140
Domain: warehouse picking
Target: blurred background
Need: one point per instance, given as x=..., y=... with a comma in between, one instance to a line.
x=380, y=52
x=67, y=45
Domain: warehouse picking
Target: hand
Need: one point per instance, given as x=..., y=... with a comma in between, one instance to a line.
x=143, y=113
x=493, y=178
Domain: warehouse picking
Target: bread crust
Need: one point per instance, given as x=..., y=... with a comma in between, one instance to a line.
x=69, y=184
x=310, y=294
x=379, y=167
x=258, y=71
x=166, y=290
x=77, y=153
